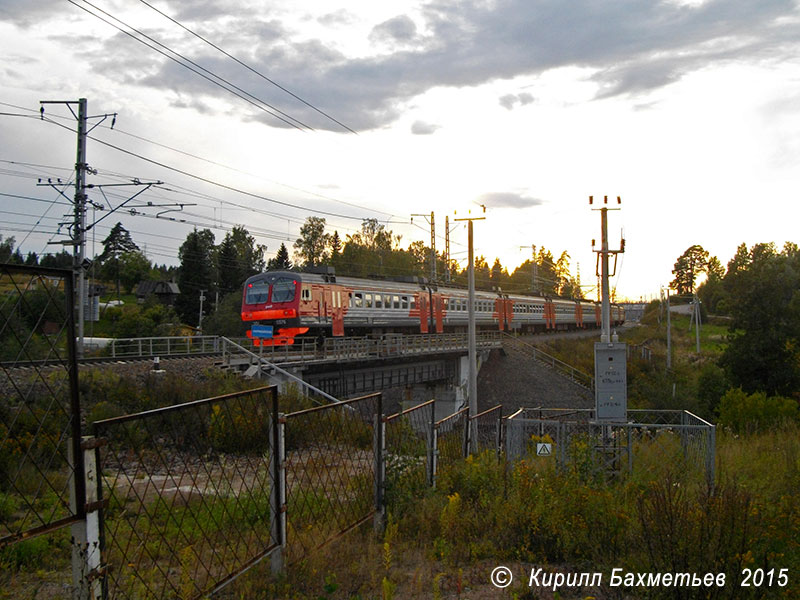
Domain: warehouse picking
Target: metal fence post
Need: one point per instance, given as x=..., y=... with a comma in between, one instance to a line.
x=88, y=577
x=277, y=446
x=379, y=437
x=498, y=438
x=434, y=455
x=432, y=448
x=467, y=437
x=711, y=453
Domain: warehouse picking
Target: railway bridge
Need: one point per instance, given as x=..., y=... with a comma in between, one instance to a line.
x=422, y=366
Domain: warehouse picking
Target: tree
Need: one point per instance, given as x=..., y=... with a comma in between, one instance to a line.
x=688, y=266
x=311, y=246
x=336, y=248
x=281, y=261
x=712, y=291
x=763, y=351
x=368, y=251
x=196, y=273
x=499, y=276
x=133, y=268
x=227, y=318
x=238, y=257
x=6, y=248
x=546, y=278
x=62, y=260
x=117, y=243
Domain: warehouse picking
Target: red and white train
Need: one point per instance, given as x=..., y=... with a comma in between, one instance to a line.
x=319, y=303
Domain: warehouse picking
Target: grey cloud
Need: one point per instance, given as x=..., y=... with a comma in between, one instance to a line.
x=422, y=128
x=25, y=13
x=398, y=29
x=633, y=46
x=509, y=101
x=339, y=17
x=508, y=200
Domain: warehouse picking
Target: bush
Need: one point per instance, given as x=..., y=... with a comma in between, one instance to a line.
x=755, y=412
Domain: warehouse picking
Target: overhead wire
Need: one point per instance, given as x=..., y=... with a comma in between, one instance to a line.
x=248, y=67
x=256, y=102
x=228, y=167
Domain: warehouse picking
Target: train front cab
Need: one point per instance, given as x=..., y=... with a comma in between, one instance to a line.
x=273, y=299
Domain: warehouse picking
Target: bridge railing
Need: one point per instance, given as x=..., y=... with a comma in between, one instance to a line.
x=303, y=349
x=163, y=346
x=390, y=345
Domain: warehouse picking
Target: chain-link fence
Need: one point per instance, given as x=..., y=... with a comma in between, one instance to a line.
x=409, y=451
x=41, y=486
x=332, y=477
x=648, y=442
x=486, y=427
x=189, y=494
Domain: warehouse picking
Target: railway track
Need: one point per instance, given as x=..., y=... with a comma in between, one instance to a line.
x=102, y=360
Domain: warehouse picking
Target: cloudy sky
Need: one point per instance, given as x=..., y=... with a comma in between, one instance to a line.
x=687, y=109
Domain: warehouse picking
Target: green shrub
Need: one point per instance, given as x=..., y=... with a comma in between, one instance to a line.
x=744, y=412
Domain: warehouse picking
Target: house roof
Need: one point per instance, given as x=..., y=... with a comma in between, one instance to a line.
x=146, y=288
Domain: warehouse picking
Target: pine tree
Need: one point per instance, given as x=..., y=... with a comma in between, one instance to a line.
x=281, y=261
x=196, y=273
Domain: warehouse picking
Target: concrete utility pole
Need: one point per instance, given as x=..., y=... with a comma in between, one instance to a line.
x=78, y=227
x=610, y=369
x=433, y=241
x=200, y=319
x=696, y=317
x=472, y=357
x=534, y=266
x=447, y=248
x=669, y=335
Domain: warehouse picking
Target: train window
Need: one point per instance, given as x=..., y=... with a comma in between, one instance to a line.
x=413, y=304
x=404, y=302
x=387, y=301
x=367, y=300
x=283, y=290
x=257, y=292
x=396, y=301
x=378, y=301
x=357, y=300
x=305, y=294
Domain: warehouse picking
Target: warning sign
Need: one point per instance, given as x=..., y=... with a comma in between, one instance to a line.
x=544, y=449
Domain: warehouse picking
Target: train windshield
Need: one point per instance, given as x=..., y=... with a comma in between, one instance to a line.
x=257, y=292
x=282, y=288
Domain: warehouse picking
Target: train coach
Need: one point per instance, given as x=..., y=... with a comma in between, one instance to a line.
x=286, y=304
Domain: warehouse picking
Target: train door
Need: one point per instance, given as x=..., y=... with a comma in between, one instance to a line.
x=438, y=312
x=500, y=311
x=549, y=314
x=326, y=303
x=422, y=302
x=338, y=313
x=509, y=306
x=578, y=315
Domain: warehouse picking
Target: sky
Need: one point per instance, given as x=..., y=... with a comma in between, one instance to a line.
x=688, y=110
